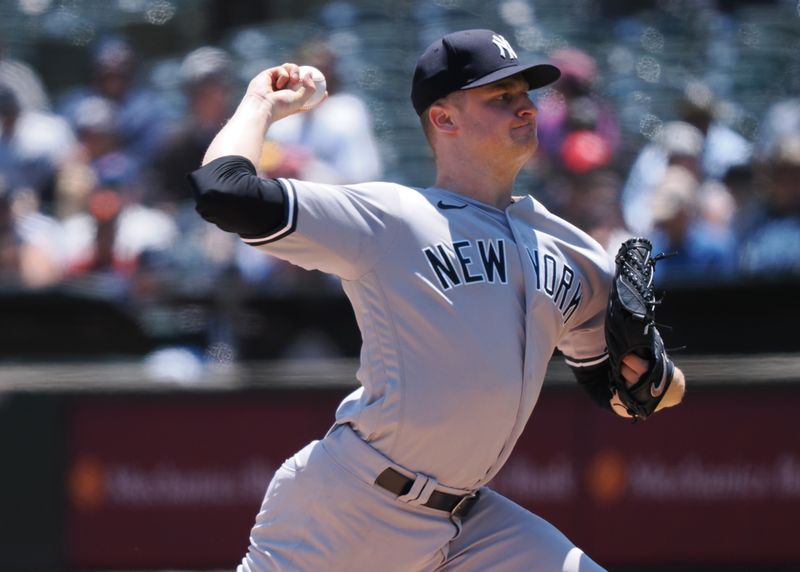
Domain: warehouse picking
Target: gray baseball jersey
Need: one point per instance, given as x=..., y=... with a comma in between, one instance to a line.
x=460, y=307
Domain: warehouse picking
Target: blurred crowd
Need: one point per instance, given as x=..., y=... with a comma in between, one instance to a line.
x=93, y=187
x=93, y=184
x=728, y=207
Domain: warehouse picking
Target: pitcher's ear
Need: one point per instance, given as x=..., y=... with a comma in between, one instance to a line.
x=442, y=119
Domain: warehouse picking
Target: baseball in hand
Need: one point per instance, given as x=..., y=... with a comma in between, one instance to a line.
x=320, y=85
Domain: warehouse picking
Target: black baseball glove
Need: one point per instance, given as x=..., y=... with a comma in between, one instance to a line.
x=630, y=328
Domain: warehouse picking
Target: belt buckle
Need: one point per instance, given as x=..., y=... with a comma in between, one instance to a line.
x=464, y=505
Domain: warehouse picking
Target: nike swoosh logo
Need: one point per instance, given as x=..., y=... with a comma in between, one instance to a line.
x=445, y=206
x=658, y=388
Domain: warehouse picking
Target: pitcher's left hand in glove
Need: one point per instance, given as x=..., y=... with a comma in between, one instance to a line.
x=630, y=329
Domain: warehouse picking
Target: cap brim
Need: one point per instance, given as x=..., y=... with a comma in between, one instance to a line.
x=537, y=76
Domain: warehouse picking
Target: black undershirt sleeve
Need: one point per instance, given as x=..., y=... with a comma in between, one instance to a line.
x=594, y=381
x=230, y=194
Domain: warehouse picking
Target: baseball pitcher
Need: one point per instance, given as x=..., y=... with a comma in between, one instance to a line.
x=462, y=293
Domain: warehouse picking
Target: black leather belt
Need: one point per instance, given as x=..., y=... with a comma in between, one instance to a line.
x=456, y=505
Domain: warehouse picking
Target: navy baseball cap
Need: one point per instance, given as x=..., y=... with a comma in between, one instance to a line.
x=467, y=59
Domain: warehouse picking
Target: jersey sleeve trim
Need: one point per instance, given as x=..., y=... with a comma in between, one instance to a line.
x=290, y=225
x=586, y=362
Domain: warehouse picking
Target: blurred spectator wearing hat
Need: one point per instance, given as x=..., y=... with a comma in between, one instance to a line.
x=107, y=228
x=207, y=83
x=332, y=143
x=702, y=250
x=97, y=159
x=577, y=115
x=141, y=117
x=723, y=148
x=698, y=139
x=781, y=120
x=677, y=143
x=578, y=133
x=774, y=242
x=32, y=146
x=200, y=251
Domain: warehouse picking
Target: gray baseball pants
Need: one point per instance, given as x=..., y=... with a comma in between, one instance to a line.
x=323, y=513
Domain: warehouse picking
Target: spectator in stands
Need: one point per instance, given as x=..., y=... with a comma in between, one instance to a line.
x=333, y=142
x=97, y=159
x=781, y=120
x=108, y=240
x=774, y=243
x=578, y=133
x=201, y=252
x=718, y=150
x=208, y=86
x=564, y=186
x=107, y=228
x=32, y=146
x=574, y=105
x=723, y=148
x=141, y=117
x=30, y=254
x=595, y=208
x=702, y=251
x=678, y=143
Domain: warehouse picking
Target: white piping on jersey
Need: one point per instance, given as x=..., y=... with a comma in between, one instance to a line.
x=586, y=362
x=291, y=217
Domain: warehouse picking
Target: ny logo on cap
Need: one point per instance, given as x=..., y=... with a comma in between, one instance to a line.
x=505, y=48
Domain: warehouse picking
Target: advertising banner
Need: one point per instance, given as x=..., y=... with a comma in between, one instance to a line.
x=176, y=481
x=713, y=481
